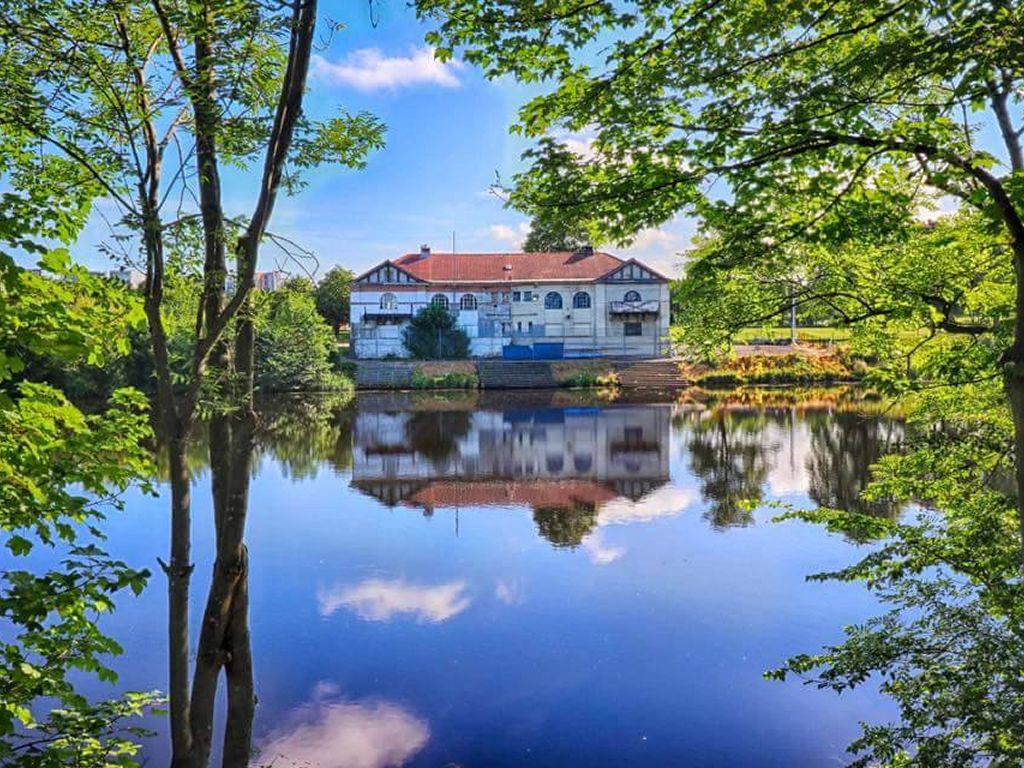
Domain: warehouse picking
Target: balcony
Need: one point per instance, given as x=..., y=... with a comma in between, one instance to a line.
x=634, y=307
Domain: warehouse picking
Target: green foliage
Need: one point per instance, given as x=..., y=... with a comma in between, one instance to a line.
x=548, y=233
x=808, y=137
x=590, y=378
x=433, y=334
x=792, y=368
x=565, y=526
x=61, y=471
x=294, y=347
x=449, y=380
x=332, y=296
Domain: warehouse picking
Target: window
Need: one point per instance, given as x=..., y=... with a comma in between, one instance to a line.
x=527, y=295
x=553, y=301
x=505, y=296
x=468, y=301
x=530, y=327
x=495, y=297
x=440, y=300
x=517, y=296
x=388, y=301
x=519, y=326
x=631, y=296
x=581, y=301
x=632, y=329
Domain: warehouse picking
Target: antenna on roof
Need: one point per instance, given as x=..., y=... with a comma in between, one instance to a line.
x=453, y=241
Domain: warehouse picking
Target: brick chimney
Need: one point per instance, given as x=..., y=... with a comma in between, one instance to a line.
x=424, y=251
x=585, y=250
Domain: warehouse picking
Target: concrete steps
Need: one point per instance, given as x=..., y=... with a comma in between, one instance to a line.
x=651, y=374
x=516, y=374
x=372, y=374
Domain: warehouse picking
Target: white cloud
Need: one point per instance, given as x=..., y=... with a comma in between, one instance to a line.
x=370, y=70
x=383, y=600
x=329, y=732
x=666, y=501
x=580, y=143
x=506, y=234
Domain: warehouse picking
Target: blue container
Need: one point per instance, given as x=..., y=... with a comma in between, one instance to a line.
x=517, y=352
x=548, y=351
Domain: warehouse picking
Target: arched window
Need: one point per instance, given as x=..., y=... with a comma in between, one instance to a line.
x=440, y=300
x=631, y=296
x=553, y=301
x=388, y=301
x=468, y=301
x=581, y=301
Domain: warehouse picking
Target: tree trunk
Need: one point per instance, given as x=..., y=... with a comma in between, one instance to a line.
x=239, y=672
x=1013, y=383
x=179, y=574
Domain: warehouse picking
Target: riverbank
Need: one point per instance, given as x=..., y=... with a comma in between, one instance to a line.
x=752, y=365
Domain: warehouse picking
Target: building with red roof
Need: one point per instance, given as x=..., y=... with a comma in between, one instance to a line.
x=563, y=303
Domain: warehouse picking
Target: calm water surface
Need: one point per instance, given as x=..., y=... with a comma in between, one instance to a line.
x=534, y=580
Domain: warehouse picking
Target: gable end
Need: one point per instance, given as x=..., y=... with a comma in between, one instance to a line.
x=387, y=274
x=633, y=272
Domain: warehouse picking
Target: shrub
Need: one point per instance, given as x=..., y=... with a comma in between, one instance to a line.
x=450, y=380
x=433, y=334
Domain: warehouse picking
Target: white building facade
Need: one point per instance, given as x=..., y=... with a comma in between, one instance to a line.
x=562, y=304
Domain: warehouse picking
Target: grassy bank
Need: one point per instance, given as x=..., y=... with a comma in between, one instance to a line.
x=792, y=368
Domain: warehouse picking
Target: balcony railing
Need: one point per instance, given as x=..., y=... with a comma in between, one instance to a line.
x=634, y=307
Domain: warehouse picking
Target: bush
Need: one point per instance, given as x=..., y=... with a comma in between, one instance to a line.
x=432, y=334
x=450, y=380
x=590, y=378
x=294, y=346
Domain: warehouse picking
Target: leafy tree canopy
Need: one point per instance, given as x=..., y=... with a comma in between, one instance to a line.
x=434, y=334
x=333, y=296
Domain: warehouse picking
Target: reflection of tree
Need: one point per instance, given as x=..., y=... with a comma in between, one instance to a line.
x=565, y=526
x=730, y=455
x=303, y=433
x=843, y=448
x=300, y=433
x=435, y=435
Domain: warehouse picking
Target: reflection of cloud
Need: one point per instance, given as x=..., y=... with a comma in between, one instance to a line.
x=382, y=600
x=509, y=591
x=666, y=501
x=788, y=474
x=369, y=70
x=600, y=553
x=330, y=732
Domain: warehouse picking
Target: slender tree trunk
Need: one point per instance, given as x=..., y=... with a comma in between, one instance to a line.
x=1013, y=383
x=238, y=669
x=179, y=575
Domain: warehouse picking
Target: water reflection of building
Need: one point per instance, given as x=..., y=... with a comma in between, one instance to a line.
x=550, y=458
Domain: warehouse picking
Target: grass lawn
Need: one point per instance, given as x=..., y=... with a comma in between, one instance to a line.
x=819, y=334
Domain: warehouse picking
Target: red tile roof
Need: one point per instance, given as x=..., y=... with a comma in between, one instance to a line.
x=491, y=267
x=558, y=494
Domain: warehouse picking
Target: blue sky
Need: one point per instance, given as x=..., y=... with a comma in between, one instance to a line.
x=447, y=137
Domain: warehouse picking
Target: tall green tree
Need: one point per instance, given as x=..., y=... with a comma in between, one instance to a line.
x=773, y=120
x=547, y=233
x=333, y=294
x=146, y=101
x=809, y=137
x=433, y=333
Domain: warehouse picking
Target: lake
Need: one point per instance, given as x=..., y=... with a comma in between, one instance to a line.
x=545, y=579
